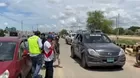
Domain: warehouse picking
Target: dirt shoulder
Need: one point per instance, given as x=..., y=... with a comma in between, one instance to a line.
x=125, y=37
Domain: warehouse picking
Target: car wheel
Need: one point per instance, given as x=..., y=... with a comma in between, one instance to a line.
x=72, y=53
x=83, y=62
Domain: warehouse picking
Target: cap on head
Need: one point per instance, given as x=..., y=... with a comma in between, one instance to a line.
x=43, y=34
x=37, y=33
x=50, y=37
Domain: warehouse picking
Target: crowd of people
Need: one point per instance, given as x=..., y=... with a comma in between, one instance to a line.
x=44, y=51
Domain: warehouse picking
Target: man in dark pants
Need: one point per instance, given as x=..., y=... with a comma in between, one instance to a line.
x=35, y=46
x=49, y=56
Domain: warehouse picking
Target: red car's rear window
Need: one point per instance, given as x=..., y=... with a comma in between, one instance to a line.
x=7, y=49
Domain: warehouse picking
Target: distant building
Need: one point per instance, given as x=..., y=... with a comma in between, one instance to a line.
x=25, y=33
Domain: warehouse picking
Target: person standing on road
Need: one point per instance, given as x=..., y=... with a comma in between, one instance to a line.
x=49, y=56
x=43, y=38
x=57, y=50
x=35, y=46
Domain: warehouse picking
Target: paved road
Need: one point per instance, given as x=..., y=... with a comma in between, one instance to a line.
x=72, y=69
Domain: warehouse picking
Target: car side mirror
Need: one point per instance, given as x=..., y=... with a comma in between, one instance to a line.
x=25, y=53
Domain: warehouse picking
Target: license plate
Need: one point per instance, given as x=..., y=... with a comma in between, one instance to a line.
x=110, y=59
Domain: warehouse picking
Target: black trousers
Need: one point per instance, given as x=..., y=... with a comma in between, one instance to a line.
x=49, y=69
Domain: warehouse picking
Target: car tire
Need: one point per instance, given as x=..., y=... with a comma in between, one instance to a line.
x=72, y=53
x=83, y=61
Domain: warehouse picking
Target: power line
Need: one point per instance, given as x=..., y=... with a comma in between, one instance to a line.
x=18, y=21
x=10, y=18
x=118, y=18
x=22, y=25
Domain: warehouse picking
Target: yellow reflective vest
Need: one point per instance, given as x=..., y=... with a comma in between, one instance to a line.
x=33, y=45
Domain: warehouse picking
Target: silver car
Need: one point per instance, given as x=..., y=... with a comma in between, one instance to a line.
x=69, y=38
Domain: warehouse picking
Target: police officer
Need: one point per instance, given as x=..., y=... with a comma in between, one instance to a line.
x=35, y=46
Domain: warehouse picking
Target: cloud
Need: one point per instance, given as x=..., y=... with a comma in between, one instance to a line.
x=63, y=13
x=62, y=22
x=54, y=1
x=3, y=4
x=6, y=24
x=54, y=17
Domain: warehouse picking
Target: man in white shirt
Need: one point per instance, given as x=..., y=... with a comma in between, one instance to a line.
x=48, y=57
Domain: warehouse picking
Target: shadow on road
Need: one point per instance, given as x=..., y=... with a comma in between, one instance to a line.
x=99, y=69
x=105, y=69
x=55, y=66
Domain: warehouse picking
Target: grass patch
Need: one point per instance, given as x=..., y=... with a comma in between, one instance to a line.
x=126, y=42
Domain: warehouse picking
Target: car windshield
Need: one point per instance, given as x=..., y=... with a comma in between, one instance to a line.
x=97, y=39
x=7, y=50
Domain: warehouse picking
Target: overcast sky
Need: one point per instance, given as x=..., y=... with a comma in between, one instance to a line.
x=58, y=14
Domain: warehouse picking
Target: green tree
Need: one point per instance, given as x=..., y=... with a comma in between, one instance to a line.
x=13, y=29
x=133, y=28
x=2, y=33
x=96, y=20
x=129, y=32
x=63, y=32
x=120, y=29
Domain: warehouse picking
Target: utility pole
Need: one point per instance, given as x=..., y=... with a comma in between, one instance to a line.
x=32, y=28
x=22, y=26
x=117, y=25
x=37, y=27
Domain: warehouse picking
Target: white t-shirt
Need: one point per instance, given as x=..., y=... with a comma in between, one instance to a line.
x=47, y=45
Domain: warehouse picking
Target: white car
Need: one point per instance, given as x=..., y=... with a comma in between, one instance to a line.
x=69, y=38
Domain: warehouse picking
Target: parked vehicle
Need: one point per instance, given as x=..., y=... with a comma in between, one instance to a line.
x=97, y=50
x=14, y=59
x=69, y=38
x=13, y=34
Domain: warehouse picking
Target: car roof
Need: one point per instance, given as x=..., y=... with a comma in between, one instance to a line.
x=14, y=39
x=92, y=34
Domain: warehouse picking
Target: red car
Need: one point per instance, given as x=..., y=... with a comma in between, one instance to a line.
x=14, y=59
